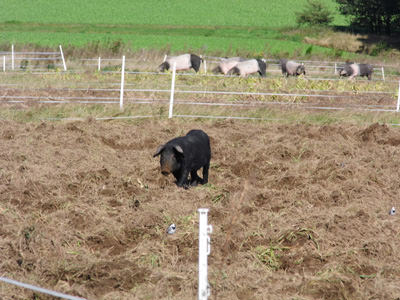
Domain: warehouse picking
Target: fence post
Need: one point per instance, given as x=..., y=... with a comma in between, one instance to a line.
x=62, y=57
x=335, y=69
x=165, y=58
x=4, y=63
x=171, y=99
x=204, y=251
x=12, y=57
x=205, y=66
x=121, y=95
x=398, y=99
x=99, y=64
x=383, y=74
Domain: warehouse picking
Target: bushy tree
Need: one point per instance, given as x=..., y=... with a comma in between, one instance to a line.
x=314, y=13
x=376, y=16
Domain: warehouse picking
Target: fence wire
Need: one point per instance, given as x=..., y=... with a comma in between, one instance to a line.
x=39, y=289
x=188, y=89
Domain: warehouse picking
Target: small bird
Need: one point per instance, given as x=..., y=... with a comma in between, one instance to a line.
x=171, y=229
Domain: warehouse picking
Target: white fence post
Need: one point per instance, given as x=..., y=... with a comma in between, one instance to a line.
x=62, y=57
x=383, y=74
x=4, y=63
x=171, y=99
x=99, y=64
x=205, y=66
x=165, y=58
x=12, y=57
x=335, y=69
x=204, y=251
x=121, y=95
x=398, y=99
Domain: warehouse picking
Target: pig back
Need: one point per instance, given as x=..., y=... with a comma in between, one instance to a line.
x=196, y=149
x=355, y=69
x=248, y=67
x=291, y=67
x=229, y=63
x=182, y=61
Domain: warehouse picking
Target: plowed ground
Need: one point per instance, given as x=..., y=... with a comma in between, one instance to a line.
x=298, y=211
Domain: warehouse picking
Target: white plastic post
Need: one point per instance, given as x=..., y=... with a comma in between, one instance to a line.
x=99, y=64
x=335, y=69
x=121, y=95
x=62, y=57
x=4, y=63
x=171, y=99
x=12, y=57
x=204, y=251
x=165, y=58
x=205, y=66
x=383, y=74
x=398, y=99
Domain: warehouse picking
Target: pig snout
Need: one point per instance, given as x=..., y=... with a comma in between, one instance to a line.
x=166, y=168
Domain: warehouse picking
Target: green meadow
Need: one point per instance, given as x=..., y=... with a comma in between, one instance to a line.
x=209, y=40
x=259, y=27
x=264, y=13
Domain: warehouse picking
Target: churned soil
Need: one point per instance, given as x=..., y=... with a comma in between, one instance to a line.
x=298, y=211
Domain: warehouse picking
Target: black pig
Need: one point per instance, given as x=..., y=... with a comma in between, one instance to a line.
x=186, y=154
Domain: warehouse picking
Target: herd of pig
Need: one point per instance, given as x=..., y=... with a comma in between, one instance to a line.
x=244, y=67
x=184, y=156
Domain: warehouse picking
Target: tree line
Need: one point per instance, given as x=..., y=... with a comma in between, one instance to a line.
x=374, y=16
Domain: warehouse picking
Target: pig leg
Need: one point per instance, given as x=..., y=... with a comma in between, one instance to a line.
x=182, y=178
x=205, y=173
x=194, y=178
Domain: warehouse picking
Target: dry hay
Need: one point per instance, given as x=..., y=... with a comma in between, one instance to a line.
x=298, y=211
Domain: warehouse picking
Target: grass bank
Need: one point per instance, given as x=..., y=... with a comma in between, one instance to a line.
x=207, y=39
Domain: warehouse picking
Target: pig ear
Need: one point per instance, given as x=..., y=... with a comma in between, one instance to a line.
x=159, y=150
x=178, y=149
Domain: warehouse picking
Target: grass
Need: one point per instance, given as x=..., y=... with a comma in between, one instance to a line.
x=269, y=13
x=253, y=26
x=269, y=256
x=87, y=112
x=180, y=42
x=276, y=108
x=226, y=40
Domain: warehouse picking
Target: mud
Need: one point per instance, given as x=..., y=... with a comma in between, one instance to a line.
x=298, y=211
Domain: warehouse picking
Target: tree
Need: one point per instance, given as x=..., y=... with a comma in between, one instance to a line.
x=376, y=16
x=314, y=13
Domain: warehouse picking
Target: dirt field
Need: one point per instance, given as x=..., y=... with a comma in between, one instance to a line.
x=298, y=211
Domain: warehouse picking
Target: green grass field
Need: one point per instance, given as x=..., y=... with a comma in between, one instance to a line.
x=264, y=13
x=224, y=40
x=254, y=26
